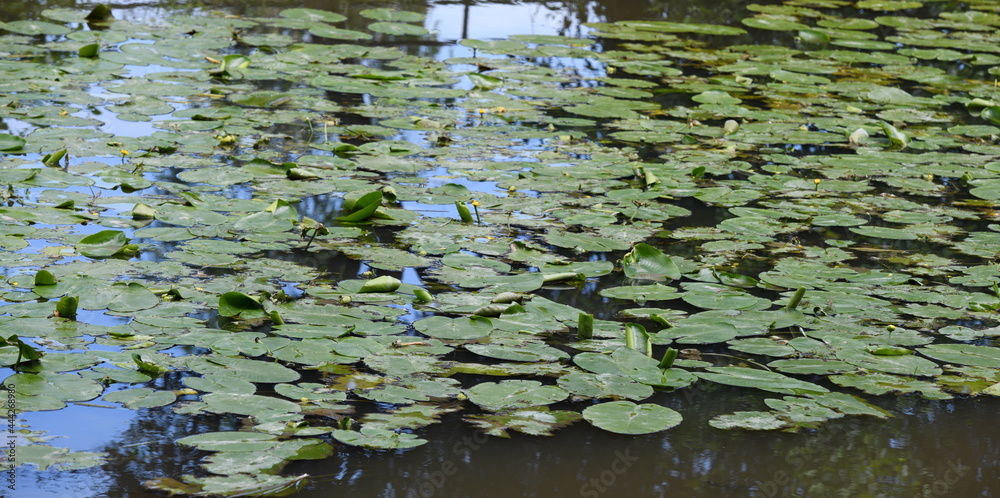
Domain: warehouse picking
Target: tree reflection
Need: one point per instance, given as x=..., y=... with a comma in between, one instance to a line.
x=146, y=449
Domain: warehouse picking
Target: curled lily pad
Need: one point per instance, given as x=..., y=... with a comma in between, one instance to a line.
x=646, y=261
x=102, y=244
x=773, y=23
x=384, y=283
x=10, y=142
x=362, y=208
x=239, y=304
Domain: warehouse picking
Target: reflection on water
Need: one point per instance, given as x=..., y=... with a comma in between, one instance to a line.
x=926, y=452
x=932, y=448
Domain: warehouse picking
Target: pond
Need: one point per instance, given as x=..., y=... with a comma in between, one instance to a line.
x=422, y=249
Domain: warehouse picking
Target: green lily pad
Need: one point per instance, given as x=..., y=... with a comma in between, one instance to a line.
x=245, y=369
x=312, y=15
x=440, y=327
x=324, y=31
x=50, y=391
x=246, y=404
x=120, y=297
x=397, y=29
x=605, y=385
x=514, y=394
x=392, y=15
x=885, y=233
x=35, y=28
x=642, y=293
x=229, y=441
x=761, y=379
x=539, y=421
x=645, y=261
x=677, y=27
x=773, y=23
x=142, y=397
x=239, y=304
x=103, y=244
x=11, y=142
x=963, y=354
x=897, y=364
x=754, y=421
x=379, y=439
x=625, y=417
x=879, y=383
x=46, y=457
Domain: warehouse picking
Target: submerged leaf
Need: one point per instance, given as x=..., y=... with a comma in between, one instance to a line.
x=539, y=421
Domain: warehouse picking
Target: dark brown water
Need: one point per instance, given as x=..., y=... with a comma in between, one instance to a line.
x=931, y=448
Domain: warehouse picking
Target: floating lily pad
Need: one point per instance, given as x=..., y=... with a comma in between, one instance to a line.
x=645, y=261
x=312, y=15
x=878, y=383
x=102, y=244
x=325, y=31
x=625, y=417
x=142, y=397
x=35, y=28
x=605, y=385
x=756, y=421
x=392, y=15
x=245, y=369
x=45, y=457
x=440, y=327
x=538, y=421
x=11, y=142
x=397, y=29
x=761, y=379
x=381, y=439
x=963, y=354
x=514, y=394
